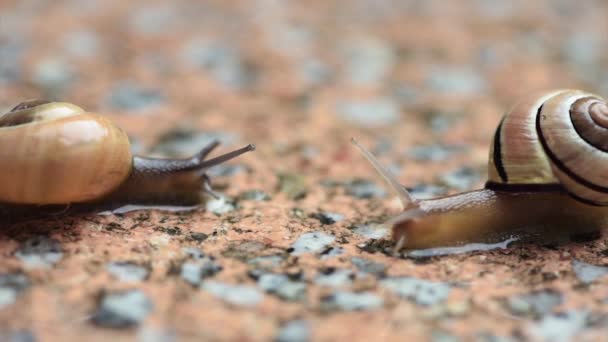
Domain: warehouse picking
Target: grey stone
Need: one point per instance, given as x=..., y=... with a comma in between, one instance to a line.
x=461, y=179
x=153, y=19
x=352, y=301
x=312, y=242
x=195, y=271
x=127, y=271
x=558, y=327
x=128, y=96
x=123, y=309
x=335, y=279
x=371, y=230
x=425, y=191
x=537, y=303
x=154, y=334
x=373, y=112
x=421, y=291
x=11, y=285
x=462, y=81
x=238, y=295
x=327, y=217
x=39, y=252
x=436, y=152
x=368, y=266
x=281, y=286
x=588, y=273
x=364, y=189
x=294, y=331
x=220, y=205
x=81, y=43
x=368, y=60
x=255, y=195
x=54, y=74
x=224, y=62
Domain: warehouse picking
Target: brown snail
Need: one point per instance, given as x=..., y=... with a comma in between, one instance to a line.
x=56, y=153
x=548, y=171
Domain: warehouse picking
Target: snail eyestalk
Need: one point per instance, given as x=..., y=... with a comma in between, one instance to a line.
x=391, y=181
x=223, y=157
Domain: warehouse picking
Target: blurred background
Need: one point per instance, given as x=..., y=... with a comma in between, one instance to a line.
x=287, y=72
x=422, y=83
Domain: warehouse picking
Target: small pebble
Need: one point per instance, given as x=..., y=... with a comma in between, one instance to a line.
x=312, y=242
x=81, y=43
x=422, y=292
x=255, y=195
x=293, y=185
x=12, y=50
x=11, y=285
x=443, y=336
x=462, y=179
x=369, y=113
x=437, y=152
x=328, y=218
x=127, y=271
x=267, y=262
x=583, y=48
x=335, y=279
x=456, y=81
x=21, y=335
x=537, y=303
x=364, y=189
x=224, y=62
x=195, y=271
x=331, y=252
x=40, y=252
x=123, y=309
x=154, y=334
x=54, y=74
x=426, y=191
x=368, y=60
x=281, y=286
x=368, y=266
x=153, y=19
x=128, y=96
x=239, y=295
x=371, y=230
x=588, y=273
x=558, y=327
x=220, y=206
x=294, y=331
x=351, y=301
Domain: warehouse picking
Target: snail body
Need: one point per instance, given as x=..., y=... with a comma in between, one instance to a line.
x=547, y=171
x=57, y=153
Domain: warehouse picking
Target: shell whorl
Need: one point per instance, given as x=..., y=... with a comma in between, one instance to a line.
x=56, y=153
x=559, y=137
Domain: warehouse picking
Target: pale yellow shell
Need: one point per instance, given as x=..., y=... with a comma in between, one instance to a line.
x=61, y=155
x=559, y=137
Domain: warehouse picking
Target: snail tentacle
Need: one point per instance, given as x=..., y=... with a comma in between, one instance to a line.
x=406, y=199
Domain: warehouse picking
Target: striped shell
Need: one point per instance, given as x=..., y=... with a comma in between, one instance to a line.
x=559, y=137
x=56, y=153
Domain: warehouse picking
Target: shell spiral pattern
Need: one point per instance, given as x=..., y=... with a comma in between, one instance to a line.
x=559, y=138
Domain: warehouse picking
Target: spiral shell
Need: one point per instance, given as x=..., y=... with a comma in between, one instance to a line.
x=559, y=137
x=56, y=153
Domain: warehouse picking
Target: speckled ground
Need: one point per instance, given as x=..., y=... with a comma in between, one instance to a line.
x=295, y=251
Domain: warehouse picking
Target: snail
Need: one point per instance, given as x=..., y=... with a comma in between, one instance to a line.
x=55, y=153
x=547, y=172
